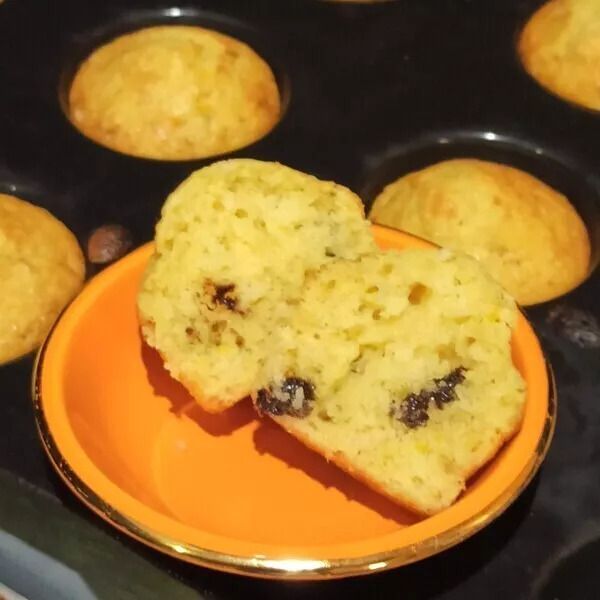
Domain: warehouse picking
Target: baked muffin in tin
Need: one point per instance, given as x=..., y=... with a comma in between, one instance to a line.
x=41, y=268
x=174, y=93
x=560, y=48
x=529, y=236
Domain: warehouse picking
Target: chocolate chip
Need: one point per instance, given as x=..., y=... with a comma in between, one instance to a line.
x=445, y=387
x=224, y=295
x=413, y=410
x=293, y=397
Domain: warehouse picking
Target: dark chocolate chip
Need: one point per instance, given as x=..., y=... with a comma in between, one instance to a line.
x=445, y=387
x=283, y=400
x=221, y=294
x=224, y=295
x=413, y=409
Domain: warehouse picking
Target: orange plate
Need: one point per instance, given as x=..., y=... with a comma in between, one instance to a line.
x=234, y=492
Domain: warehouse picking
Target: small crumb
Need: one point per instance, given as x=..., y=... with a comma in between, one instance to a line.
x=446, y=254
x=108, y=243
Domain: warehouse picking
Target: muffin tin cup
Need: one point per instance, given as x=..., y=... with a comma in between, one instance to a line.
x=81, y=46
x=547, y=164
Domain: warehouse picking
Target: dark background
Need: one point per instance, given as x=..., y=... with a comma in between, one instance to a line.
x=371, y=92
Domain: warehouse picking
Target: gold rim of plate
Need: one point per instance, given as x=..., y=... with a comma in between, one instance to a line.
x=290, y=568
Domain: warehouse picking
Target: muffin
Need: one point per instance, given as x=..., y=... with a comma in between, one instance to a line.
x=41, y=268
x=397, y=367
x=560, y=48
x=232, y=248
x=528, y=235
x=174, y=93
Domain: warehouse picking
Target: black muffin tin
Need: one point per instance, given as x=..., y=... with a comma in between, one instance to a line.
x=370, y=92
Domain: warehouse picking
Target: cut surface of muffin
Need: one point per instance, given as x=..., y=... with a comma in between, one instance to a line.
x=232, y=249
x=397, y=367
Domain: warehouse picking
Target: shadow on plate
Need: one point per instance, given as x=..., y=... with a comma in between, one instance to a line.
x=272, y=439
x=182, y=402
x=269, y=438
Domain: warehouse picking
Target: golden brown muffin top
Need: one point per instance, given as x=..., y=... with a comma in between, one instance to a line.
x=560, y=47
x=41, y=269
x=174, y=93
x=528, y=235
